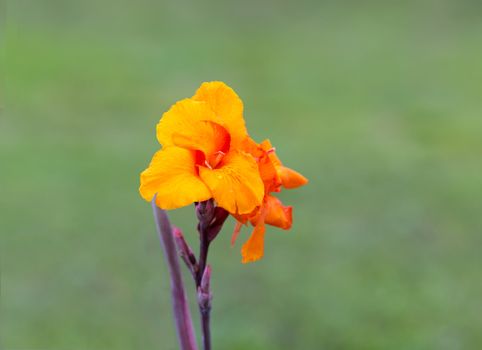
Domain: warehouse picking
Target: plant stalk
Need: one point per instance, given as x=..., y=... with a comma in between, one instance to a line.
x=182, y=315
x=205, y=324
x=203, y=292
x=205, y=213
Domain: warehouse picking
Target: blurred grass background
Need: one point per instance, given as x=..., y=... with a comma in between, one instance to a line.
x=379, y=104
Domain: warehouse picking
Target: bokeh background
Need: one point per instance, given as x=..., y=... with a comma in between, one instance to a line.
x=379, y=104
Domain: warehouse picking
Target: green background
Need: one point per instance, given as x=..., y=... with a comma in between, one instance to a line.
x=379, y=104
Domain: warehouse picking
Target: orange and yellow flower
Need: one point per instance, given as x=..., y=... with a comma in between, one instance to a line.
x=201, y=155
x=207, y=153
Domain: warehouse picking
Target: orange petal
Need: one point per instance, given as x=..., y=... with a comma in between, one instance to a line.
x=172, y=175
x=291, y=178
x=253, y=249
x=266, y=145
x=226, y=105
x=270, y=150
x=244, y=218
x=235, y=184
x=248, y=145
x=277, y=214
x=269, y=174
x=236, y=231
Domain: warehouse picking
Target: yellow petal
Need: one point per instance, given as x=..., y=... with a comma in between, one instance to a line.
x=225, y=104
x=253, y=249
x=182, y=119
x=172, y=175
x=236, y=184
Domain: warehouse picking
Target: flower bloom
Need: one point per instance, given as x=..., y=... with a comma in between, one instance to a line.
x=272, y=212
x=207, y=153
x=201, y=155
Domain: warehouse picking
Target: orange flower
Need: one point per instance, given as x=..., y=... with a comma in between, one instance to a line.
x=203, y=155
x=271, y=211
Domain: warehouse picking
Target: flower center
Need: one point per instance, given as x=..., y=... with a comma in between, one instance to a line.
x=214, y=159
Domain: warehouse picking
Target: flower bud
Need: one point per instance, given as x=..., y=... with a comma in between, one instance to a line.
x=220, y=216
x=204, y=295
x=186, y=253
x=205, y=211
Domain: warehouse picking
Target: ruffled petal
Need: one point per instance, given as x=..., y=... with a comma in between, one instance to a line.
x=172, y=175
x=189, y=119
x=209, y=138
x=225, y=104
x=277, y=214
x=235, y=184
x=253, y=249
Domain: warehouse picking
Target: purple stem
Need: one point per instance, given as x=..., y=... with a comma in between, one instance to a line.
x=203, y=255
x=204, y=297
x=182, y=315
x=205, y=212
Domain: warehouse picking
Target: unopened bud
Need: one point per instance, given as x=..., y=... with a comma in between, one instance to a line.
x=204, y=295
x=187, y=255
x=205, y=211
x=220, y=216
